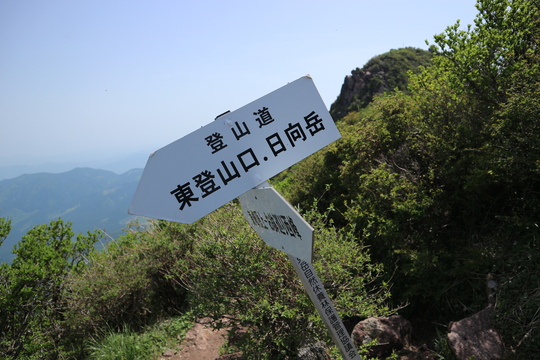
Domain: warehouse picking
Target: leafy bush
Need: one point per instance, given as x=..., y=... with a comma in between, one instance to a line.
x=438, y=179
x=517, y=315
x=229, y=270
x=223, y=268
x=123, y=285
x=31, y=303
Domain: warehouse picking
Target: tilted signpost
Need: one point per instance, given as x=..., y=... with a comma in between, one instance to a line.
x=261, y=207
x=213, y=165
x=233, y=155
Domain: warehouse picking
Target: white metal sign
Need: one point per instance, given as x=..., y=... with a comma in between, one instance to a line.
x=204, y=170
x=325, y=307
x=277, y=222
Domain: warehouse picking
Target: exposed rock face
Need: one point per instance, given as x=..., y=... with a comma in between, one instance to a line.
x=392, y=333
x=353, y=85
x=475, y=338
x=315, y=351
x=383, y=72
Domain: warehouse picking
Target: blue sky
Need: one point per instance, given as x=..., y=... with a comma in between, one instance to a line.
x=98, y=79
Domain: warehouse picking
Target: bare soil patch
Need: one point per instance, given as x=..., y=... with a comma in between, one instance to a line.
x=200, y=343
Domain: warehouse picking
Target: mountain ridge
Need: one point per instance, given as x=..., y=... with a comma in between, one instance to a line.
x=89, y=198
x=119, y=164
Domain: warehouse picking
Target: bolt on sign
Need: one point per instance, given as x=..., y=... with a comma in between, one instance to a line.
x=211, y=166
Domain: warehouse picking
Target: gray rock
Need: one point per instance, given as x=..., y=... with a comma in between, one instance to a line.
x=316, y=351
x=392, y=333
x=475, y=338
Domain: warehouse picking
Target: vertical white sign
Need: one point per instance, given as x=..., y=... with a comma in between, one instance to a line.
x=326, y=309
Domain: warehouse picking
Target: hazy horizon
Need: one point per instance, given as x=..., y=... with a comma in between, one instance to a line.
x=86, y=81
x=117, y=163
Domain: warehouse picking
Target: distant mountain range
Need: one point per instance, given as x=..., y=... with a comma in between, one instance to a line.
x=117, y=163
x=89, y=198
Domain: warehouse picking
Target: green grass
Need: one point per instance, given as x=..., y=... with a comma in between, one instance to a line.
x=130, y=345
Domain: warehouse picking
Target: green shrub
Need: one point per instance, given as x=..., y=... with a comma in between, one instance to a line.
x=517, y=315
x=230, y=270
x=32, y=307
x=435, y=177
x=123, y=285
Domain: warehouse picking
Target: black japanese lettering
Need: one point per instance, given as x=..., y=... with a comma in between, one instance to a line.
x=257, y=219
x=205, y=182
x=324, y=303
x=274, y=222
x=241, y=132
x=275, y=143
x=230, y=176
x=328, y=311
x=271, y=222
x=215, y=141
x=314, y=123
x=184, y=195
x=253, y=217
x=264, y=117
x=295, y=133
x=281, y=224
x=253, y=161
x=293, y=230
x=261, y=221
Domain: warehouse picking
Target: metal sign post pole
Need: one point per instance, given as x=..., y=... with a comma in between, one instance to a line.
x=283, y=228
x=326, y=309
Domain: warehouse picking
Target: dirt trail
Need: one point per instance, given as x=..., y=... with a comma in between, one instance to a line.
x=200, y=343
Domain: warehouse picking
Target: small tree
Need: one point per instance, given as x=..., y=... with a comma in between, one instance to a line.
x=31, y=305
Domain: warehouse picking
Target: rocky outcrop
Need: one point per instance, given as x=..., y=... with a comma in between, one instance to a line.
x=384, y=72
x=316, y=351
x=353, y=86
x=475, y=338
x=392, y=333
